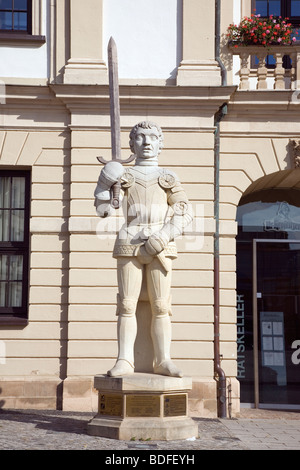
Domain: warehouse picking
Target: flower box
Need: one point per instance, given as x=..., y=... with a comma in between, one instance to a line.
x=258, y=31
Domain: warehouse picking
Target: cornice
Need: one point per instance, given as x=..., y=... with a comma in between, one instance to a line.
x=93, y=95
x=28, y=93
x=265, y=101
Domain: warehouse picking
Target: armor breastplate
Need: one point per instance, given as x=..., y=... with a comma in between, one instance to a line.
x=146, y=201
x=145, y=208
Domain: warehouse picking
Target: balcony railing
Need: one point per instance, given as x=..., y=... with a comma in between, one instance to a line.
x=283, y=78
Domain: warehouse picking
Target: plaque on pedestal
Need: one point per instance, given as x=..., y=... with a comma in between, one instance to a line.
x=143, y=406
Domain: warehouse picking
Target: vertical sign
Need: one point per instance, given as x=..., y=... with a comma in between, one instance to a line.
x=241, y=337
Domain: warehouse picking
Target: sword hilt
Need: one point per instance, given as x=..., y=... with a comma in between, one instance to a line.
x=116, y=188
x=115, y=199
x=128, y=160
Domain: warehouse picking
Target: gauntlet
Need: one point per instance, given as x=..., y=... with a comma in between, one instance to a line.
x=109, y=175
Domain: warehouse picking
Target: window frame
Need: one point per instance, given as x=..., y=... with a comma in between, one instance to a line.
x=28, y=29
x=285, y=12
x=33, y=35
x=19, y=315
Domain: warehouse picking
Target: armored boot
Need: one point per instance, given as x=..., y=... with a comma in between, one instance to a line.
x=127, y=329
x=161, y=337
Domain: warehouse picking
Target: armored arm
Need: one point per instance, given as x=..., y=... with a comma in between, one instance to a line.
x=109, y=175
x=182, y=216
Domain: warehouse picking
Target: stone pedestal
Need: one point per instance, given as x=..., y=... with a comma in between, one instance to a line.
x=143, y=406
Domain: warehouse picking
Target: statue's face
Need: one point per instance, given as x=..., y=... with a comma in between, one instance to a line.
x=146, y=143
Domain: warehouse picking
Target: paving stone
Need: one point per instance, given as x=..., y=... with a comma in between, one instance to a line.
x=58, y=430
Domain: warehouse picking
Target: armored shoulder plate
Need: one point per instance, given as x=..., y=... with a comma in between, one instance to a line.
x=167, y=179
x=127, y=179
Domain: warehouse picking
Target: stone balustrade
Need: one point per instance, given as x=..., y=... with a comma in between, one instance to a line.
x=283, y=78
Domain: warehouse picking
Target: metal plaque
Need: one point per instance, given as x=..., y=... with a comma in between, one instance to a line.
x=143, y=405
x=175, y=405
x=110, y=404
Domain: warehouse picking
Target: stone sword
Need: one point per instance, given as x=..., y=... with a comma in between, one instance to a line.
x=116, y=128
x=114, y=118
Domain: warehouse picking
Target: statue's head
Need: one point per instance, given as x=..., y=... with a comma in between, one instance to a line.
x=146, y=140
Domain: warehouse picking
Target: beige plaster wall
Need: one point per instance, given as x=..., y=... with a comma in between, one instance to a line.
x=34, y=136
x=71, y=332
x=36, y=353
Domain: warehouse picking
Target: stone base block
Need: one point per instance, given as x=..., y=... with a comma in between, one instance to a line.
x=143, y=406
x=42, y=393
x=155, y=429
x=85, y=72
x=79, y=394
x=198, y=73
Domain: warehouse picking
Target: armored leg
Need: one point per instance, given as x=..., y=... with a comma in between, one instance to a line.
x=159, y=285
x=129, y=281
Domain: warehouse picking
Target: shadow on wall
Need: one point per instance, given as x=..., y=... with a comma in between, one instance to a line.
x=65, y=240
x=2, y=402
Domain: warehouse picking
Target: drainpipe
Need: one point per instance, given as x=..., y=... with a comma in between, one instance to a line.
x=219, y=372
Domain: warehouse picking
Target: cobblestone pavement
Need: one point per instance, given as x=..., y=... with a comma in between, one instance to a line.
x=57, y=430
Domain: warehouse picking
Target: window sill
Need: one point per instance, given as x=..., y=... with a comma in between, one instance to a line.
x=12, y=321
x=21, y=39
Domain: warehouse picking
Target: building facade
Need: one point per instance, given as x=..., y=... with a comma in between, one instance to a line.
x=231, y=133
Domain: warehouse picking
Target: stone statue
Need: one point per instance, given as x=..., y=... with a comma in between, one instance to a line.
x=156, y=210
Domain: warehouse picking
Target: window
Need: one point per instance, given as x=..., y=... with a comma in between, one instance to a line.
x=14, y=245
x=284, y=8
x=16, y=16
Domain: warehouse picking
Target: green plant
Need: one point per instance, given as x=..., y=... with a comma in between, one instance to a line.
x=256, y=30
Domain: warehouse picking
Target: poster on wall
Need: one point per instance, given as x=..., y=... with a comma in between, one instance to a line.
x=272, y=344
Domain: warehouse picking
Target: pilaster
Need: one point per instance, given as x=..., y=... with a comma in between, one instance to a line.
x=86, y=64
x=198, y=66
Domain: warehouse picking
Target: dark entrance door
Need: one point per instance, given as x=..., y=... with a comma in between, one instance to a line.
x=268, y=304
x=276, y=322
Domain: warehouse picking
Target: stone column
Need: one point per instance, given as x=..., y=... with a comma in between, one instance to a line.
x=86, y=64
x=198, y=66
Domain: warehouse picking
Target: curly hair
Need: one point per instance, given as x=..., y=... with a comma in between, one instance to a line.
x=145, y=125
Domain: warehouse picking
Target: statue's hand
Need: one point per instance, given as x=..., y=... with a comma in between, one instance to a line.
x=103, y=208
x=143, y=256
x=113, y=171
x=154, y=245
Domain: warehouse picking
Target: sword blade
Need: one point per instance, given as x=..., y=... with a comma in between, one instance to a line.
x=114, y=100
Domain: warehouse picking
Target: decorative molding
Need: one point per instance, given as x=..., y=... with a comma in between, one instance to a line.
x=198, y=73
x=37, y=10
x=24, y=40
x=295, y=144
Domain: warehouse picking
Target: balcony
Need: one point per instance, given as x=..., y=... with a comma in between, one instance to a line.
x=263, y=78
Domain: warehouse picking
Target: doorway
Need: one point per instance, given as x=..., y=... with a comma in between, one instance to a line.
x=268, y=303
